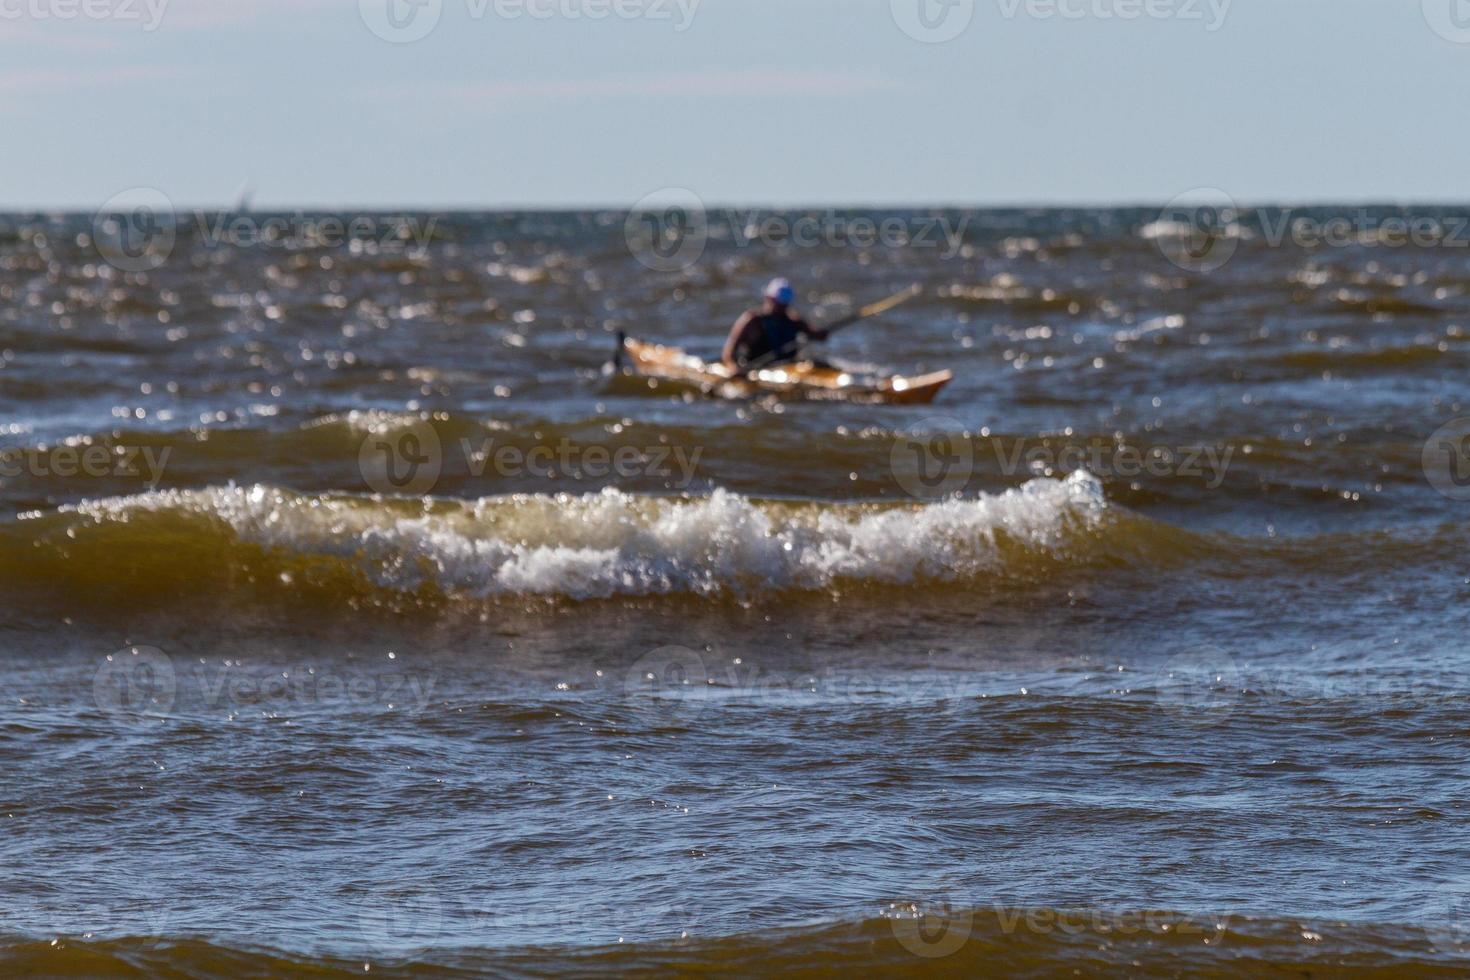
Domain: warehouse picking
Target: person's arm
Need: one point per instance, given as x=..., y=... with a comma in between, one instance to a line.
x=736, y=340
x=814, y=332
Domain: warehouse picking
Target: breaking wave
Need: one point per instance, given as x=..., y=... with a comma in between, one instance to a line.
x=178, y=543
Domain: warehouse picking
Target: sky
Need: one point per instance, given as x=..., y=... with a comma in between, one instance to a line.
x=566, y=103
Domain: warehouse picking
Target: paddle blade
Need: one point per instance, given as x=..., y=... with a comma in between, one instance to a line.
x=884, y=305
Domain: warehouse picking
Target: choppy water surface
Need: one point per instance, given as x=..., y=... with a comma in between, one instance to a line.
x=354, y=614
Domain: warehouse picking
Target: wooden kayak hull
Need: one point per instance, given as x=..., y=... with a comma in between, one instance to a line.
x=799, y=379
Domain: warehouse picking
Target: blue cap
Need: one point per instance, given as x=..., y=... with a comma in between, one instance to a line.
x=780, y=290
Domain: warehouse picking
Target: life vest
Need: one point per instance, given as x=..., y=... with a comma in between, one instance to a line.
x=778, y=340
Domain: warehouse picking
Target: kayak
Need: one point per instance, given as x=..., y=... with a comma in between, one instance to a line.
x=797, y=379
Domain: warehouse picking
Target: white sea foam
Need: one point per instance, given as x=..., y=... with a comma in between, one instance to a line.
x=613, y=543
x=1170, y=228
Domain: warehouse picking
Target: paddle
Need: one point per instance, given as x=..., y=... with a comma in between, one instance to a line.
x=871, y=310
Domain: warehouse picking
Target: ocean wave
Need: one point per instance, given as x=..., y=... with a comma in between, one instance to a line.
x=917, y=939
x=592, y=546
x=231, y=546
x=1171, y=228
x=610, y=543
x=1397, y=358
x=1382, y=303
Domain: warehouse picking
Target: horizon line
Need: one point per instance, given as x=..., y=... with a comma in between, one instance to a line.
x=580, y=208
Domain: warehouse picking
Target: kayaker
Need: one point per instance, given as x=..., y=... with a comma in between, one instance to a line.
x=771, y=334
